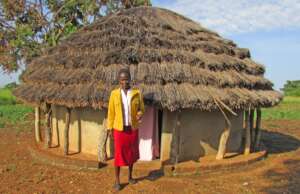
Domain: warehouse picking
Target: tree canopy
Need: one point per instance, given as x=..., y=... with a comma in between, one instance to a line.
x=291, y=88
x=27, y=27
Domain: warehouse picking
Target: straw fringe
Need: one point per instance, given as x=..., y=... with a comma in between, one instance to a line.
x=171, y=96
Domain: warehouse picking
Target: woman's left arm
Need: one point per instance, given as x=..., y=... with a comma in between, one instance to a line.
x=142, y=106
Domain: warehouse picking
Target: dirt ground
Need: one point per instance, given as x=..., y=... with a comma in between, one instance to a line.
x=279, y=173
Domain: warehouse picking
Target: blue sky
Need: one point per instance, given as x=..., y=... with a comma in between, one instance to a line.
x=269, y=28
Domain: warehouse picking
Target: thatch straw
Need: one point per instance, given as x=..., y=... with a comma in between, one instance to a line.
x=173, y=60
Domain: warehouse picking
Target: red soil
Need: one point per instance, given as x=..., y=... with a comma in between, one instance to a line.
x=279, y=173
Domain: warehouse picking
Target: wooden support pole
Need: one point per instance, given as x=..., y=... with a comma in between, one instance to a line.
x=178, y=147
x=226, y=133
x=79, y=139
x=248, y=137
x=251, y=125
x=102, y=154
x=57, y=128
x=37, y=124
x=48, y=133
x=224, y=136
x=66, y=132
x=223, y=141
x=175, y=144
x=257, y=129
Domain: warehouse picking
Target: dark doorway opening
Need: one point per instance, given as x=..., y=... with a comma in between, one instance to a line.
x=159, y=126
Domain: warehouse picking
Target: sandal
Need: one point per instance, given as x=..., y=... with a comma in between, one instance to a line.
x=132, y=181
x=117, y=186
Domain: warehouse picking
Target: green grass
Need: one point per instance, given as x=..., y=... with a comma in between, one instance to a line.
x=13, y=113
x=288, y=109
x=10, y=112
x=6, y=96
x=295, y=92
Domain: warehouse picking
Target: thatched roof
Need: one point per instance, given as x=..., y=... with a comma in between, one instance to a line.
x=174, y=61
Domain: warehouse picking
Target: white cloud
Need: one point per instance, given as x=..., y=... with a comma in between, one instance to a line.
x=238, y=16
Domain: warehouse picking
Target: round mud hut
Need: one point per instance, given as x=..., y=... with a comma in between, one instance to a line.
x=200, y=90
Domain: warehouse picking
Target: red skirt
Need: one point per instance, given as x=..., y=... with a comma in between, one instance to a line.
x=126, y=147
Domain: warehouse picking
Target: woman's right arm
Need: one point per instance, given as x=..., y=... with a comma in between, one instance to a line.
x=110, y=112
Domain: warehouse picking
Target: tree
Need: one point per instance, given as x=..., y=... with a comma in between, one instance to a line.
x=291, y=88
x=27, y=27
x=135, y=3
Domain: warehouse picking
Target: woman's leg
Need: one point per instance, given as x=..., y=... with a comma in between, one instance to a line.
x=130, y=172
x=130, y=179
x=117, y=185
x=117, y=174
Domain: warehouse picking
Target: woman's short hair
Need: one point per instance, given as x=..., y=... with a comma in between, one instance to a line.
x=124, y=70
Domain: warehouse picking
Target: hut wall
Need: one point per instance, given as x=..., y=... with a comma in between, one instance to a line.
x=168, y=123
x=199, y=133
x=84, y=121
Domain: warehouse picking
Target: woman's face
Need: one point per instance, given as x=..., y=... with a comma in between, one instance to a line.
x=124, y=80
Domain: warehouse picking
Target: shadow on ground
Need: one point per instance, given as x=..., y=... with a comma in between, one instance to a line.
x=279, y=142
x=285, y=175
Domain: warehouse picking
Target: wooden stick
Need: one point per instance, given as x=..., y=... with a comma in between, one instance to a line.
x=223, y=142
x=102, y=155
x=251, y=125
x=66, y=132
x=225, y=106
x=178, y=123
x=79, y=142
x=247, y=138
x=48, y=126
x=57, y=128
x=224, y=114
x=175, y=145
x=225, y=134
x=257, y=129
x=37, y=124
x=217, y=100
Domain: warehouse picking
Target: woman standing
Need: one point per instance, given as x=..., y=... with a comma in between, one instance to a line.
x=125, y=110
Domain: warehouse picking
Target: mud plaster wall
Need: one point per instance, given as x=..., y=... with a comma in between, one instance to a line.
x=85, y=126
x=199, y=133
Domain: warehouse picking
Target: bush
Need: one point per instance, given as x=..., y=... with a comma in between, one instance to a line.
x=291, y=88
x=6, y=96
x=11, y=85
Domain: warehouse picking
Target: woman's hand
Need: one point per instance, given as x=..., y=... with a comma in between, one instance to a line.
x=110, y=133
x=139, y=116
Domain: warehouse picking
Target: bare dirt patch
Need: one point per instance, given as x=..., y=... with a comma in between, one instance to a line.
x=279, y=173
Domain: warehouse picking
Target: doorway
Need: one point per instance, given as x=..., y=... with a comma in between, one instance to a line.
x=150, y=134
